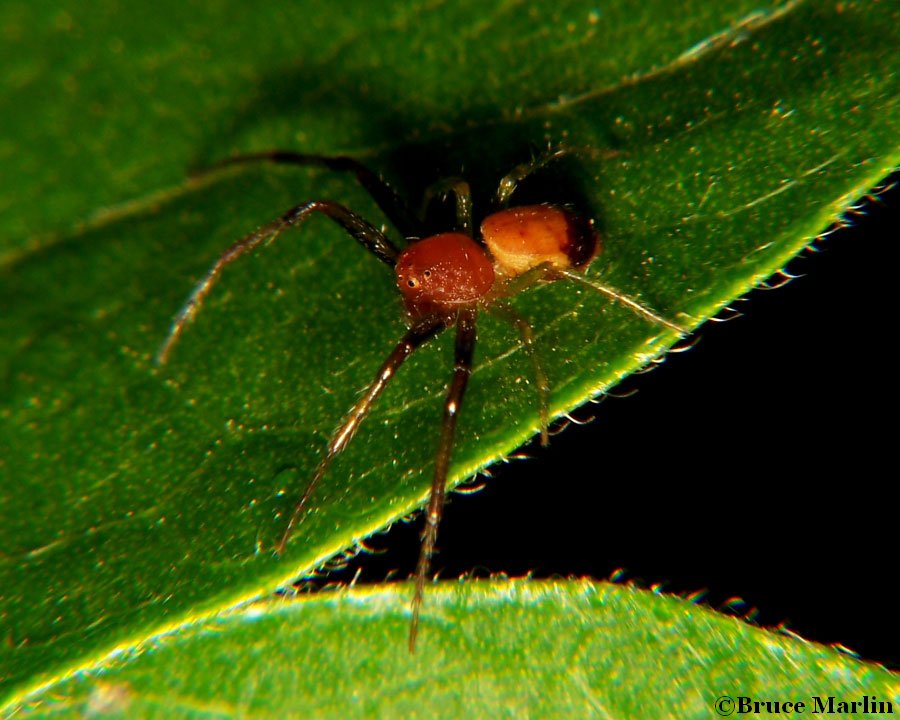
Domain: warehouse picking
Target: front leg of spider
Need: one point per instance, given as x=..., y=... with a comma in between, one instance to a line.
x=365, y=233
x=421, y=332
x=391, y=204
x=462, y=369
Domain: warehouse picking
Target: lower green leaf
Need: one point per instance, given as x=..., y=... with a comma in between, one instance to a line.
x=488, y=649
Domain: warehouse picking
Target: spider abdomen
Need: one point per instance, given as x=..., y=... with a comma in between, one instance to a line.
x=522, y=238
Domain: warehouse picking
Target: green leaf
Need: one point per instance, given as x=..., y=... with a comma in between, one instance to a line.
x=712, y=145
x=513, y=649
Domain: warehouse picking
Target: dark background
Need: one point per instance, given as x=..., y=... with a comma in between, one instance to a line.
x=759, y=464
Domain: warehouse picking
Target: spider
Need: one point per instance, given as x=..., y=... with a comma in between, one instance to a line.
x=444, y=280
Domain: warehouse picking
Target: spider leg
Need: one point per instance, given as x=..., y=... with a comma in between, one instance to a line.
x=545, y=272
x=462, y=369
x=511, y=180
x=462, y=193
x=370, y=237
x=391, y=204
x=421, y=332
x=526, y=333
x=620, y=297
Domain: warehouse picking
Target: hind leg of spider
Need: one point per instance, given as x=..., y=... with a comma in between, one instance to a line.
x=629, y=302
x=391, y=204
x=463, y=350
x=526, y=333
x=463, y=197
x=368, y=236
x=545, y=272
x=422, y=331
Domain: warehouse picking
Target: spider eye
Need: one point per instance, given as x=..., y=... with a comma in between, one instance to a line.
x=427, y=274
x=412, y=282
